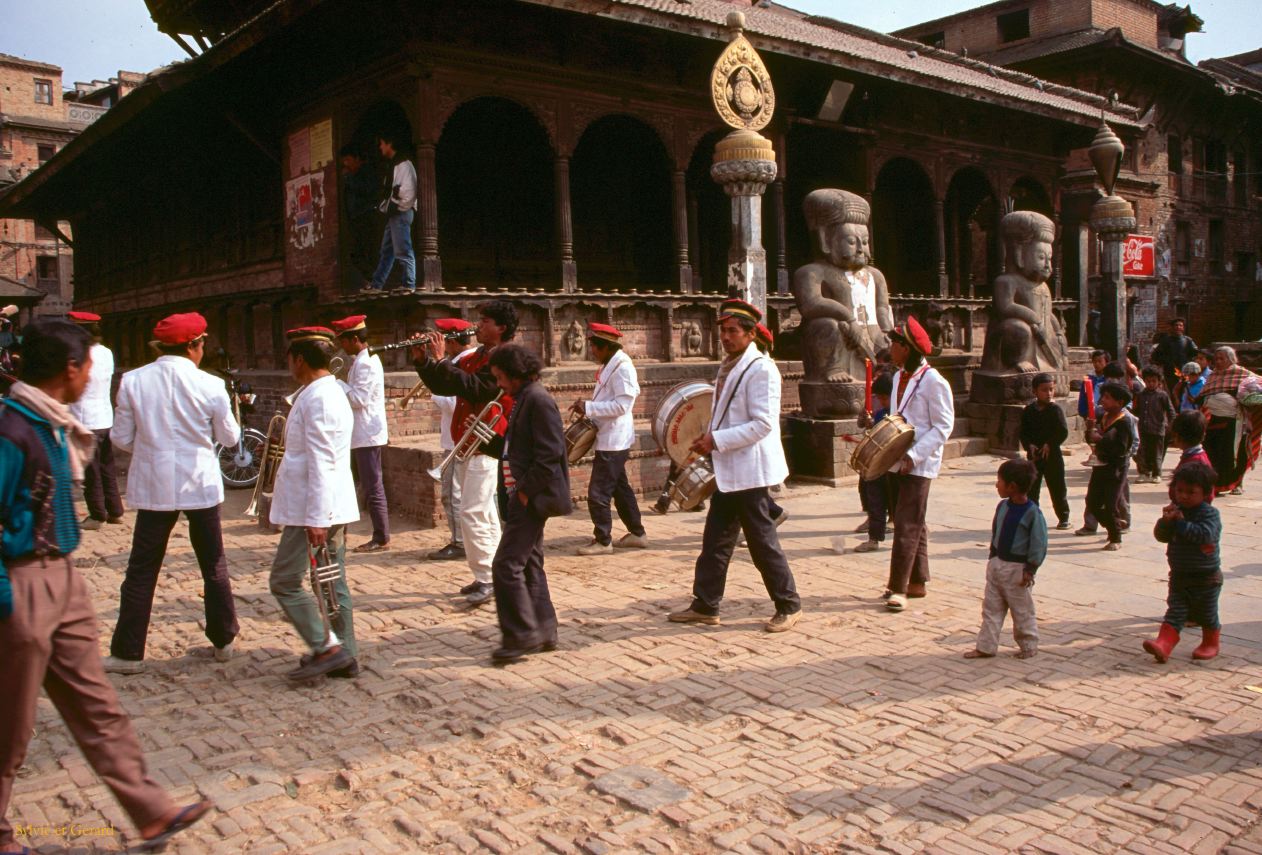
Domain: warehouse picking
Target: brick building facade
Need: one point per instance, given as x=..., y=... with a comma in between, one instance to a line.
x=1193, y=175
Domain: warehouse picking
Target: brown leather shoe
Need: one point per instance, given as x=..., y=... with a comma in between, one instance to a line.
x=915, y=591
x=372, y=546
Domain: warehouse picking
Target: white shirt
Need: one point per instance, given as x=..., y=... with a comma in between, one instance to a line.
x=404, y=179
x=447, y=407
x=929, y=407
x=170, y=414
x=862, y=295
x=94, y=409
x=611, y=403
x=747, y=451
x=365, y=388
x=314, y=486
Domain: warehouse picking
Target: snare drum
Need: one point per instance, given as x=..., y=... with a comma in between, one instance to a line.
x=681, y=417
x=695, y=484
x=580, y=436
x=882, y=447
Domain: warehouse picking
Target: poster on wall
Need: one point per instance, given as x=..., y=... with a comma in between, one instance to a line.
x=304, y=210
x=1138, y=256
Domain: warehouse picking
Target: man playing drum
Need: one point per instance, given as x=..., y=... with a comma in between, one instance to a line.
x=923, y=398
x=743, y=442
x=610, y=408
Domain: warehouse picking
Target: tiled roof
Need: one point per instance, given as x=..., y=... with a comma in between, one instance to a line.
x=823, y=39
x=1066, y=42
x=13, y=288
x=30, y=63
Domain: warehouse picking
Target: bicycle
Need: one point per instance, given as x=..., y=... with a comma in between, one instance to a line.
x=239, y=464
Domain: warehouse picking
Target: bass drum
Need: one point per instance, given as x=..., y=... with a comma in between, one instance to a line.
x=681, y=417
x=882, y=446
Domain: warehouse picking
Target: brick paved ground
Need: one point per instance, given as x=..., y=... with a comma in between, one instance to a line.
x=860, y=731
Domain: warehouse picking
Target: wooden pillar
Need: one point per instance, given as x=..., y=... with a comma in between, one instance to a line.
x=777, y=206
x=431, y=272
x=939, y=221
x=679, y=201
x=951, y=219
x=1083, y=237
x=694, y=241
x=565, y=226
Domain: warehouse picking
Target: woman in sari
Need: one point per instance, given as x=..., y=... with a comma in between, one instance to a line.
x=1232, y=401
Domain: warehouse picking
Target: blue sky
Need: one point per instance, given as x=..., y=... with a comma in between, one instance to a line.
x=119, y=34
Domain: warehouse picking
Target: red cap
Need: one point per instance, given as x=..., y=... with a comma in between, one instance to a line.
x=180, y=329
x=734, y=308
x=83, y=317
x=350, y=324
x=914, y=336
x=604, y=332
x=764, y=335
x=452, y=325
x=310, y=334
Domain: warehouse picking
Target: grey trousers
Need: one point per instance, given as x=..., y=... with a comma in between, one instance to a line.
x=288, y=581
x=450, y=487
x=1004, y=594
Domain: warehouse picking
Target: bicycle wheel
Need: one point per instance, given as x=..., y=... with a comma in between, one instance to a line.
x=239, y=463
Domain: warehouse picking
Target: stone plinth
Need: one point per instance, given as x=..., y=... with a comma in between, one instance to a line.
x=818, y=450
x=1000, y=423
x=994, y=387
x=831, y=400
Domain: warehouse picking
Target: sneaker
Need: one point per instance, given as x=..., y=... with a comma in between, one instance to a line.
x=1085, y=532
x=779, y=521
x=450, y=552
x=782, y=622
x=372, y=546
x=483, y=594
x=595, y=548
x=896, y=602
x=1064, y=525
x=632, y=541
x=90, y=524
x=223, y=654
x=862, y=528
x=1112, y=546
x=369, y=289
x=114, y=665
x=868, y=546
x=690, y=616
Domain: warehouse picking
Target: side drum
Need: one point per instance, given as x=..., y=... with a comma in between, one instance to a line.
x=695, y=484
x=681, y=417
x=580, y=436
x=882, y=447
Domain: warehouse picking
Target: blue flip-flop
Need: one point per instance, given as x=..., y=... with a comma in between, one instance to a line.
x=185, y=818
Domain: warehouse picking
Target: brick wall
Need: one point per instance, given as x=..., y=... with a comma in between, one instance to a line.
x=1137, y=19
x=17, y=91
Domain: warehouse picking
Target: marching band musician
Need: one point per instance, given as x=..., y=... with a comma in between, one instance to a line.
x=95, y=412
x=766, y=343
x=471, y=382
x=535, y=485
x=457, y=335
x=314, y=500
x=610, y=408
x=169, y=416
x=923, y=397
x=744, y=446
x=365, y=388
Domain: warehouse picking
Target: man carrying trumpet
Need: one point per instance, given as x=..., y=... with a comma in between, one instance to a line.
x=744, y=446
x=471, y=382
x=365, y=389
x=610, y=409
x=314, y=500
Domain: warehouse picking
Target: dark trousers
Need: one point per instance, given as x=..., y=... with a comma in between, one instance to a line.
x=1152, y=453
x=1193, y=597
x=51, y=641
x=148, y=548
x=909, y=557
x=1104, y=495
x=366, y=466
x=522, y=601
x=874, y=501
x=1052, y=471
x=730, y=514
x=100, y=481
x=609, y=480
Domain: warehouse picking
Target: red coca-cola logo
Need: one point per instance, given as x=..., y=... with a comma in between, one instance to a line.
x=1139, y=256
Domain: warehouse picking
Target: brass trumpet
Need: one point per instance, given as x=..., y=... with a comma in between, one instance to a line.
x=479, y=431
x=325, y=572
x=269, y=464
x=417, y=391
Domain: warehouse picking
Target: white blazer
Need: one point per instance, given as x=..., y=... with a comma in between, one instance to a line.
x=929, y=407
x=314, y=486
x=617, y=387
x=365, y=388
x=170, y=414
x=94, y=409
x=747, y=450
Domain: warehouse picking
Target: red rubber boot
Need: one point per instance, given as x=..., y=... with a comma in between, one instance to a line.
x=1165, y=641
x=1208, y=648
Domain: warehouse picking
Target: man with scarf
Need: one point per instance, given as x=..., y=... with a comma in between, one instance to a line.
x=924, y=399
x=48, y=626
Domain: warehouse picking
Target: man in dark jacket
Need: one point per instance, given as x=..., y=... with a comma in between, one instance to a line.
x=1173, y=350
x=534, y=485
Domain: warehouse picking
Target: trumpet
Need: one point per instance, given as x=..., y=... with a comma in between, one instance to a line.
x=479, y=431
x=325, y=572
x=269, y=464
x=417, y=391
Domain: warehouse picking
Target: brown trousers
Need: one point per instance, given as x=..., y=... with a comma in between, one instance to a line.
x=909, y=558
x=51, y=640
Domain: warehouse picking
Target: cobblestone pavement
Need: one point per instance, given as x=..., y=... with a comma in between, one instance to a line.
x=859, y=731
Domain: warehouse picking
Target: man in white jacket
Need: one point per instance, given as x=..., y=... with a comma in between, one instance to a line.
x=610, y=408
x=923, y=397
x=169, y=416
x=95, y=412
x=744, y=446
x=314, y=500
x=365, y=389
x=399, y=206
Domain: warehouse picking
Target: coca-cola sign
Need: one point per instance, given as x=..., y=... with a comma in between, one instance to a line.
x=1139, y=256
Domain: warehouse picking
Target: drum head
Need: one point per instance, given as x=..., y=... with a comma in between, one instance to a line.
x=682, y=418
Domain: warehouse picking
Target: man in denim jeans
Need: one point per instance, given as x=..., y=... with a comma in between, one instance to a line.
x=399, y=207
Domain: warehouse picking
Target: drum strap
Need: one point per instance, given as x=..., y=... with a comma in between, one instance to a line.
x=735, y=387
x=918, y=376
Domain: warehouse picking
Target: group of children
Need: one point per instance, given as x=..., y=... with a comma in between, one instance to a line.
x=1189, y=524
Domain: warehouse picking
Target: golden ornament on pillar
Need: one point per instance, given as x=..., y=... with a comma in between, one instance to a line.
x=740, y=86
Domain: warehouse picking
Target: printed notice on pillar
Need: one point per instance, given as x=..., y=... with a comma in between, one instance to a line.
x=299, y=152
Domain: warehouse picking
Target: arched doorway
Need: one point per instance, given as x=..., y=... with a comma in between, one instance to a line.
x=621, y=203
x=496, y=199
x=709, y=220
x=974, y=253
x=362, y=191
x=1027, y=194
x=903, y=228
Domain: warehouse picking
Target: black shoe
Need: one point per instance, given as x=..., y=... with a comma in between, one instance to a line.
x=482, y=593
x=661, y=506
x=318, y=666
x=504, y=655
x=349, y=672
x=1064, y=525
x=470, y=588
x=549, y=645
x=450, y=552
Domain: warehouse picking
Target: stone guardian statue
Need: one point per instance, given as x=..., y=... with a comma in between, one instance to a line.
x=1023, y=334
